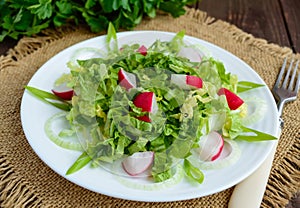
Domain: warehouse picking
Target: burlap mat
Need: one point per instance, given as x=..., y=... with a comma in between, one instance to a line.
x=25, y=181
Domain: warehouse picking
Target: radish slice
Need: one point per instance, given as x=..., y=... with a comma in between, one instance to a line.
x=144, y=118
x=229, y=155
x=142, y=50
x=126, y=79
x=234, y=101
x=190, y=53
x=211, y=146
x=194, y=81
x=138, y=163
x=63, y=92
x=187, y=81
x=146, y=101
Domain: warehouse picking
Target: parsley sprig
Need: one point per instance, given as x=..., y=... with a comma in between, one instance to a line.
x=28, y=17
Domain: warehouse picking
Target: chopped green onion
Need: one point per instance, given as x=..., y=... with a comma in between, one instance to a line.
x=192, y=172
x=254, y=135
x=46, y=96
x=243, y=86
x=81, y=161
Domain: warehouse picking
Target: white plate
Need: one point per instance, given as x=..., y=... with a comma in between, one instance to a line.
x=34, y=113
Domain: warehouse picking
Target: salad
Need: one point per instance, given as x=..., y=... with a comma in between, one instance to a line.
x=156, y=112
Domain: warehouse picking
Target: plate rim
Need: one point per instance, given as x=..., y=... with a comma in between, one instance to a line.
x=123, y=34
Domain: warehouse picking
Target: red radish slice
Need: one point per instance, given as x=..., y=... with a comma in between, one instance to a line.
x=146, y=101
x=145, y=118
x=66, y=95
x=234, y=101
x=190, y=53
x=142, y=50
x=230, y=154
x=211, y=146
x=226, y=151
x=194, y=81
x=187, y=81
x=138, y=163
x=63, y=92
x=126, y=79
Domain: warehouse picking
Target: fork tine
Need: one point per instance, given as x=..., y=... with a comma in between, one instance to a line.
x=280, y=74
x=281, y=93
x=293, y=77
x=284, y=84
x=298, y=82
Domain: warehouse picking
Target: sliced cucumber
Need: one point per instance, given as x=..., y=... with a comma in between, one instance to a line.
x=51, y=130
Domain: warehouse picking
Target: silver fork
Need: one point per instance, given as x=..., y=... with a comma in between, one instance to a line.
x=286, y=90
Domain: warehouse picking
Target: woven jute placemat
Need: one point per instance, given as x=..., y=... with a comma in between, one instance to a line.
x=25, y=181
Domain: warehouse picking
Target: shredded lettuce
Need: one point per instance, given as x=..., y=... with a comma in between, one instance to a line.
x=105, y=118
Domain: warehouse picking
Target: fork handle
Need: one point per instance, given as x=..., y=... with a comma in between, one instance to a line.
x=280, y=105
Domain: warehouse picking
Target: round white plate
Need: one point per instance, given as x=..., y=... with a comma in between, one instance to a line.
x=34, y=114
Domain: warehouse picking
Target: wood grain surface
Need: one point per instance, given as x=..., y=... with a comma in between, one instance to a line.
x=291, y=13
x=277, y=21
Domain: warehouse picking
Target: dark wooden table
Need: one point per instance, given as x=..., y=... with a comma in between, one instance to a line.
x=277, y=21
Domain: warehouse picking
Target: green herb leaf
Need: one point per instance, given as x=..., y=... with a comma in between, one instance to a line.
x=43, y=9
x=46, y=96
x=254, y=135
x=81, y=161
x=111, y=39
x=245, y=86
x=96, y=14
x=192, y=172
